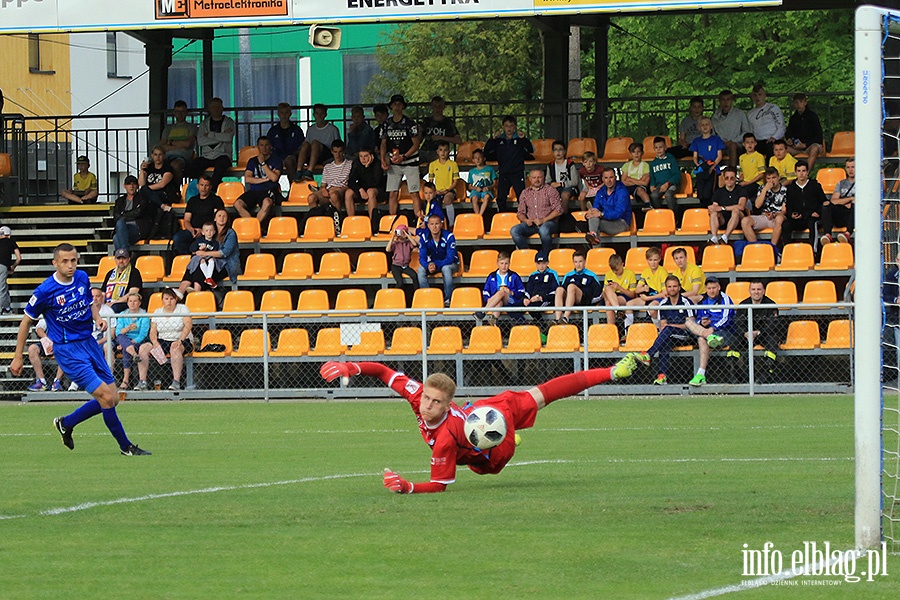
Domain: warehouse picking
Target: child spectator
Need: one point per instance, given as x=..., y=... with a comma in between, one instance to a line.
x=132, y=328
x=619, y=285
x=381, y=114
x=481, y=183
x=690, y=275
x=591, y=179
x=433, y=207
x=650, y=288
x=212, y=268
x=636, y=176
x=316, y=149
x=770, y=203
x=501, y=288
x=85, y=189
x=401, y=246
x=286, y=138
x=335, y=182
x=562, y=174
x=400, y=140
x=10, y=257
x=708, y=153
x=580, y=287
x=665, y=177
x=437, y=128
x=509, y=147
x=784, y=162
x=751, y=167
x=443, y=173
x=540, y=289
x=367, y=181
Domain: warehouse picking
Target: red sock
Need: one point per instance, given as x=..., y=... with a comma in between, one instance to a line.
x=569, y=385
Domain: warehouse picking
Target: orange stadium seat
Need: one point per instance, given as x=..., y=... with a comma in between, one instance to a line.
x=334, y=265
x=523, y=339
x=152, y=267
x=603, y=337
x=273, y=300
x=686, y=188
x=828, y=178
x=839, y=335
x=284, y=230
x=578, y=146
x=468, y=226
x=297, y=265
x=636, y=259
x=465, y=297
x=522, y=262
x=313, y=300
x=464, y=152
x=819, y=292
x=695, y=221
x=247, y=229
x=802, y=335
x=543, y=151
x=640, y=337
x=258, y=267
x=782, y=292
x=391, y=300
x=154, y=302
x=757, y=257
x=483, y=263
x=406, y=341
x=251, y=343
x=292, y=342
x=796, y=256
x=387, y=224
x=317, y=229
x=843, y=144
x=560, y=260
x=201, y=302
x=299, y=193
x=107, y=263
x=501, y=223
x=238, y=301
x=215, y=336
x=356, y=229
x=598, y=259
x=738, y=291
x=244, y=156
x=616, y=149
x=328, y=343
x=485, y=339
x=350, y=299
x=427, y=298
x=561, y=338
x=371, y=343
x=179, y=265
x=717, y=258
x=836, y=257
x=445, y=340
x=229, y=191
x=371, y=265
x=658, y=221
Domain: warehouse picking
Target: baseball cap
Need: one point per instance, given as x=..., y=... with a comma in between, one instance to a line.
x=712, y=279
x=82, y=159
x=131, y=179
x=121, y=253
x=398, y=98
x=540, y=257
x=5, y=230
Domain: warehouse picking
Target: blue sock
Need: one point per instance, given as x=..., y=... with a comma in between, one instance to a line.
x=115, y=427
x=84, y=412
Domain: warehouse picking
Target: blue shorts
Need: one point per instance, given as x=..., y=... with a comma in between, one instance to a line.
x=481, y=195
x=84, y=363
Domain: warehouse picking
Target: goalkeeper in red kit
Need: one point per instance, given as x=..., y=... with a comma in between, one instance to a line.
x=442, y=422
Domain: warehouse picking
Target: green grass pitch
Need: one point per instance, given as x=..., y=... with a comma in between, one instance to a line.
x=613, y=498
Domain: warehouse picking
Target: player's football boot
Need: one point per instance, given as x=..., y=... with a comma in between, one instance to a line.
x=698, y=380
x=65, y=432
x=133, y=450
x=660, y=380
x=625, y=367
x=714, y=341
x=642, y=357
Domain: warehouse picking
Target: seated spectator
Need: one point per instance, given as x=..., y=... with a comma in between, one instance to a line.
x=170, y=331
x=665, y=177
x=132, y=329
x=359, y=134
x=804, y=132
x=433, y=207
x=437, y=254
x=443, y=173
x=729, y=206
x=85, y=189
x=261, y=183
x=838, y=212
x=784, y=162
x=206, y=268
x=401, y=246
x=215, y=141
x=591, y=176
x=539, y=212
x=286, y=138
x=770, y=202
x=730, y=124
x=765, y=329
x=715, y=319
x=611, y=208
x=228, y=244
x=650, y=288
x=335, y=182
x=502, y=288
x=688, y=129
x=400, y=140
x=689, y=274
x=481, y=183
x=562, y=174
x=367, y=183
x=178, y=140
x=43, y=347
x=803, y=205
x=618, y=286
x=579, y=287
x=131, y=221
x=752, y=170
x=707, y=149
x=766, y=120
x=636, y=178
x=121, y=281
x=200, y=209
x=437, y=128
x=540, y=289
x=509, y=147
x=157, y=181
x=10, y=259
x=316, y=149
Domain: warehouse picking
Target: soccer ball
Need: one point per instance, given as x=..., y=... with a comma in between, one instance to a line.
x=485, y=427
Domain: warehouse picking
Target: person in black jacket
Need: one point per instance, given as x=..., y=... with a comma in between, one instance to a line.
x=765, y=331
x=131, y=222
x=367, y=182
x=804, y=205
x=509, y=148
x=540, y=288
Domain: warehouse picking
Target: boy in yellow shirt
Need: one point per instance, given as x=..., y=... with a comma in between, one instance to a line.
x=619, y=285
x=783, y=161
x=651, y=286
x=690, y=275
x=444, y=172
x=752, y=165
x=85, y=188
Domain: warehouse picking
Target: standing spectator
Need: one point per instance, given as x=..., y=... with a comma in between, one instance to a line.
x=562, y=174
x=707, y=149
x=10, y=258
x=591, y=175
x=804, y=205
x=335, y=182
x=286, y=138
x=665, y=177
x=765, y=328
x=688, y=129
x=509, y=147
x=539, y=211
x=132, y=329
x=766, y=120
x=612, y=206
x=156, y=179
x=170, y=330
x=728, y=207
x=540, y=289
x=636, y=178
x=400, y=246
x=215, y=139
x=502, y=288
x=178, y=140
x=770, y=202
x=261, y=180
x=131, y=220
x=481, y=183
x=839, y=211
x=437, y=128
x=121, y=280
x=200, y=209
x=579, y=287
x=784, y=162
x=316, y=150
x=381, y=113
x=752, y=169
x=437, y=254
x=85, y=189
x=444, y=173
x=619, y=284
x=804, y=132
x=43, y=347
x=400, y=139
x=359, y=134
x=367, y=182
x=730, y=124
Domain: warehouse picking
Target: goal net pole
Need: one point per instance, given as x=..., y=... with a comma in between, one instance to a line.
x=869, y=36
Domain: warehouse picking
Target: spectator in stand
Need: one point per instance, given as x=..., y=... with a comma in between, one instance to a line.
x=619, y=286
x=335, y=182
x=689, y=275
x=400, y=140
x=433, y=207
x=85, y=189
x=752, y=167
x=579, y=287
x=650, y=288
x=205, y=269
x=157, y=181
x=540, y=289
x=359, y=134
x=444, y=173
x=611, y=208
x=636, y=178
x=539, y=211
x=770, y=202
x=708, y=153
x=286, y=138
x=591, y=175
x=215, y=139
x=437, y=254
x=509, y=147
x=804, y=132
x=367, y=182
x=228, y=250
x=715, y=321
x=766, y=120
x=437, y=128
x=316, y=150
x=562, y=174
x=838, y=212
x=765, y=329
x=730, y=124
x=200, y=209
x=261, y=181
x=400, y=246
x=784, y=162
x=121, y=280
x=179, y=140
x=43, y=347
x=688, y=129
x=381, y=113
x=10, y=258
x=170, y=331
x=804, y=205
x=132, y=329
x=729, y=206
x=665, y=177
x=131, y=220
x=502, y=288
x=481, y=183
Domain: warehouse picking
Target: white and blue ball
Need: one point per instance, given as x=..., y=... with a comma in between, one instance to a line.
x=485, y=427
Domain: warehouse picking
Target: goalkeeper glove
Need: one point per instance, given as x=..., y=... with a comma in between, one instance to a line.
x=395, y=483
x=332, y=370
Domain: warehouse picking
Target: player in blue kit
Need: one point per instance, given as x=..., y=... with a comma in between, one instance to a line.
x=65, y=300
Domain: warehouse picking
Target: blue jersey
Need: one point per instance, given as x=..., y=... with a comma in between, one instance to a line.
x=718, y=311
x=676, y=317
x=65, y=306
